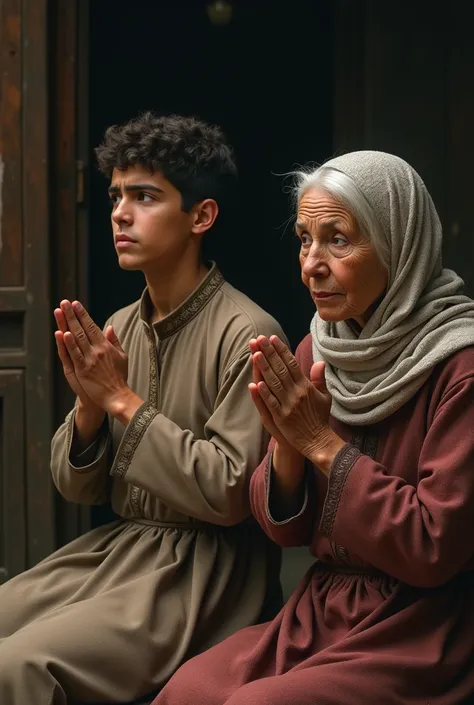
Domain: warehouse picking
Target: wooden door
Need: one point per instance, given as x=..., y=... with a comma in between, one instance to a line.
x=403, y=84
x=26, y=492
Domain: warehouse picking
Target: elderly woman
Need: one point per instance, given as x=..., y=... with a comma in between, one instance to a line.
x=371, y=463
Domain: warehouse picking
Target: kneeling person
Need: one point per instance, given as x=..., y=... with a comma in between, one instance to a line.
x=164, y=427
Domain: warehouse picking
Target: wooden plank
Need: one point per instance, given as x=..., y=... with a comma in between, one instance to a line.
x=83, y=155
x=63, y=213
x=405, y=88
x=63, y=168
x=349, y=77
x=459, y=219
x=13, y=359
x=12, y=474
x=11, y=243
x=39, y=329
x=13, y=298
x=69, y=237
x=12, y=335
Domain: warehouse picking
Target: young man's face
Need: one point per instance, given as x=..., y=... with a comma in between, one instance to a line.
x=150, y=229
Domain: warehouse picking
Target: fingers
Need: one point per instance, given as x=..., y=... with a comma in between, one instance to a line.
x=288, y=358
x=272, y=367
x=68, y=366
x=60, y=320
x=253, y=345
x=256, y=374
x=272, y=381
x=73, y=350
x=262, y=409
x=63, y=353
x=111, y=336
x=81, y=325
x=271, y=402
x=253, y=389
x=75, y=327
x=281, y=360
x=318, y=378
x=91, y=329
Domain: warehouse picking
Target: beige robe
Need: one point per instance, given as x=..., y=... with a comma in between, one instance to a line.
x=112, y=615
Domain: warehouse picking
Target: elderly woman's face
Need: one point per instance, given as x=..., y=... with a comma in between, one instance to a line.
x=338, y=265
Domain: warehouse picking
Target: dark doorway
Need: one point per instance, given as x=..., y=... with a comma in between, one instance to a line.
x=266, y=78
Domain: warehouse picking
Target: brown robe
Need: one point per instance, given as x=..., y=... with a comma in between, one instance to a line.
x=386, y=613
x=111, y=616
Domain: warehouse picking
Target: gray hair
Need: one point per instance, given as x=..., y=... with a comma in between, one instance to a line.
x=343, y=188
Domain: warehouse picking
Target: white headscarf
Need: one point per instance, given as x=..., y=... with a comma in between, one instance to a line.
x=424, y=316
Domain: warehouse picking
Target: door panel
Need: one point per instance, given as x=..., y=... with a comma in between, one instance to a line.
x=27, y=518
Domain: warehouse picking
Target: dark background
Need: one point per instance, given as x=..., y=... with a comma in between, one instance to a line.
x=266, y=78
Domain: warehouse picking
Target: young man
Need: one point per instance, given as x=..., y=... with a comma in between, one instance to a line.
x=164, y=426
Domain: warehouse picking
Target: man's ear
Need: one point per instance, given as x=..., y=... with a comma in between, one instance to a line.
x=204, y=215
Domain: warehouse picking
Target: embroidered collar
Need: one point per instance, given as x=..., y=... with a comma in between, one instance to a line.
x=186, y=311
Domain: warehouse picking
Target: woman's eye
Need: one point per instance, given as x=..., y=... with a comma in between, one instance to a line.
x=306, y=239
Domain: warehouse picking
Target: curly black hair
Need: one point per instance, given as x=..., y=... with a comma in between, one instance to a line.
x=194, y=156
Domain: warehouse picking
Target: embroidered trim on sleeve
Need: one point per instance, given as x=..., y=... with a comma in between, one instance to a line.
x=268, y=479
x=70, y=430
x=100, y=445
x=132, y=437
x=135, y=495
x=341, y=467
x=153, y=384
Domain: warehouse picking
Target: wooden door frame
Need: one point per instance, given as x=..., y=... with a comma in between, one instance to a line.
x=69, y=74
